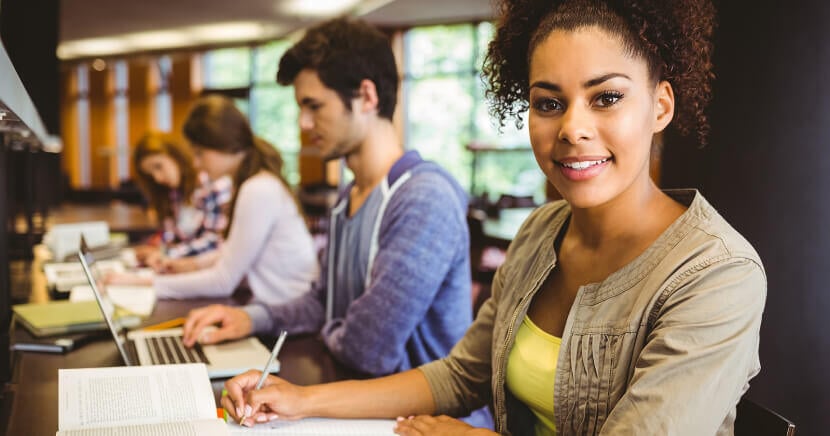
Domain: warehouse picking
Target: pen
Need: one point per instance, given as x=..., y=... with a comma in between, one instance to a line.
x=262, y=377
x=175, y=322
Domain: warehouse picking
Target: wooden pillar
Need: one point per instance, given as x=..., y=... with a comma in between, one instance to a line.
x=70, y=120
x=102, y=151
x=183, y=90
x=140, y=96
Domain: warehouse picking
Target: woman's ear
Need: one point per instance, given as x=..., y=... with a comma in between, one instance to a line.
x=663, y=105
x=367, y=95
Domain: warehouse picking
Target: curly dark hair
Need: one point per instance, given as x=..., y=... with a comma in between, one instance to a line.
x=344, y=52
x=674, y=38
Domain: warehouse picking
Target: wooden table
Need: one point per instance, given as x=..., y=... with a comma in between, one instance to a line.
x=130, y=219
x=30, y=400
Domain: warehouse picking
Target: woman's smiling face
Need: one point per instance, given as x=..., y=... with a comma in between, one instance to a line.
x=594, y=110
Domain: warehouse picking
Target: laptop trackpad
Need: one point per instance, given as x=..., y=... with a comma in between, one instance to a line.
x=244, y=353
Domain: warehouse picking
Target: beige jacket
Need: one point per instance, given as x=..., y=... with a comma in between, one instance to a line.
x=664, y=346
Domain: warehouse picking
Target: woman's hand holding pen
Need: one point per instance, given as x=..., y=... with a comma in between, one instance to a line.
x=276, y=399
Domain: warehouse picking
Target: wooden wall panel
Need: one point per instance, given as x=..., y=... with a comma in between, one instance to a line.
x=102, y=128
x=140, y=95
x=182, y=91
x=69, y=120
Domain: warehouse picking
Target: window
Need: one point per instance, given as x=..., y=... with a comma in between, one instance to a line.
x=249, y=76
x=273, y=111
x=122, y=120
x=163, y=115
x=227, y=68
x=445, y=111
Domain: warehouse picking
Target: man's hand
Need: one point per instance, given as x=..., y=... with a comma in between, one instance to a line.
x=233, y=323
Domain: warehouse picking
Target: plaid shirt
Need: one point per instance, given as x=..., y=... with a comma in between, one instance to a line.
x=198, y=228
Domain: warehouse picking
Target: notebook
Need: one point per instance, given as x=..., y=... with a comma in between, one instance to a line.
x=159, y=347
x=63, y=317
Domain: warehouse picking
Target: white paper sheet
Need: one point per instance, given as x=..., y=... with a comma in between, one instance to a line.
x=318, y=427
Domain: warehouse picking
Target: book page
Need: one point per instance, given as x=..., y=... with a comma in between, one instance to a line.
x=317, y=427
x=112, y=397
x=215, y=427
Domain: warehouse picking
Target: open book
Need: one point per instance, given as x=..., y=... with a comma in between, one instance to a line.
x=171, y=400
x=165, y=400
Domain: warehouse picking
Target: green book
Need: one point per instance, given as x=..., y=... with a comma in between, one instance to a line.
x=62, y=317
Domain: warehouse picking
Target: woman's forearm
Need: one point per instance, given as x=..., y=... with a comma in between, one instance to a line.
x=402, y=394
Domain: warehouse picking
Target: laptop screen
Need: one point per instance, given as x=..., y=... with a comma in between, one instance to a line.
x=87, y=259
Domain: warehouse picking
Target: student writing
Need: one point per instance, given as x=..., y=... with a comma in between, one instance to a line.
x=622, y=309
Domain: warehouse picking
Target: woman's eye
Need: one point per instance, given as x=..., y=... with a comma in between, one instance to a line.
x=608, y=99
x=547, y=105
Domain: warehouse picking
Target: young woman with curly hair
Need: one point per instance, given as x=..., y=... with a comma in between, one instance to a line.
x=622, y=309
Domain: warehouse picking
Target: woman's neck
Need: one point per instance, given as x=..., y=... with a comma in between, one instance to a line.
x=634, y=218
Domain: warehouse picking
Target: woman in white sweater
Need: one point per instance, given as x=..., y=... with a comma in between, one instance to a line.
x=267, y=244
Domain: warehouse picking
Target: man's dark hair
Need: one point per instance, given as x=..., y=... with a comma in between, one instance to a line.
x=343, y=52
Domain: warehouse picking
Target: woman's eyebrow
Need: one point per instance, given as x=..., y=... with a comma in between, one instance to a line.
x=603, y=78
x=550, y=86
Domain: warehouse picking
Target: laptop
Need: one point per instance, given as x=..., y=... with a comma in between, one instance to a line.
x=161, y=347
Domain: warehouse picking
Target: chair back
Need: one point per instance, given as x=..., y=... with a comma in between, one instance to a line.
x=753, y=419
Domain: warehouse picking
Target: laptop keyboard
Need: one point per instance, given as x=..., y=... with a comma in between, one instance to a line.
x=171, y=349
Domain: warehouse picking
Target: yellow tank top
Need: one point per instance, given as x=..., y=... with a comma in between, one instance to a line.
x=531, y=370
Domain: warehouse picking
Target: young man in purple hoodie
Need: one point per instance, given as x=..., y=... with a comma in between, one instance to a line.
x=394, y=292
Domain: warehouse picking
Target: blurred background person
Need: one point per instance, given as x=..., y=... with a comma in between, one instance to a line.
x=268, y=247
x=191, y=209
